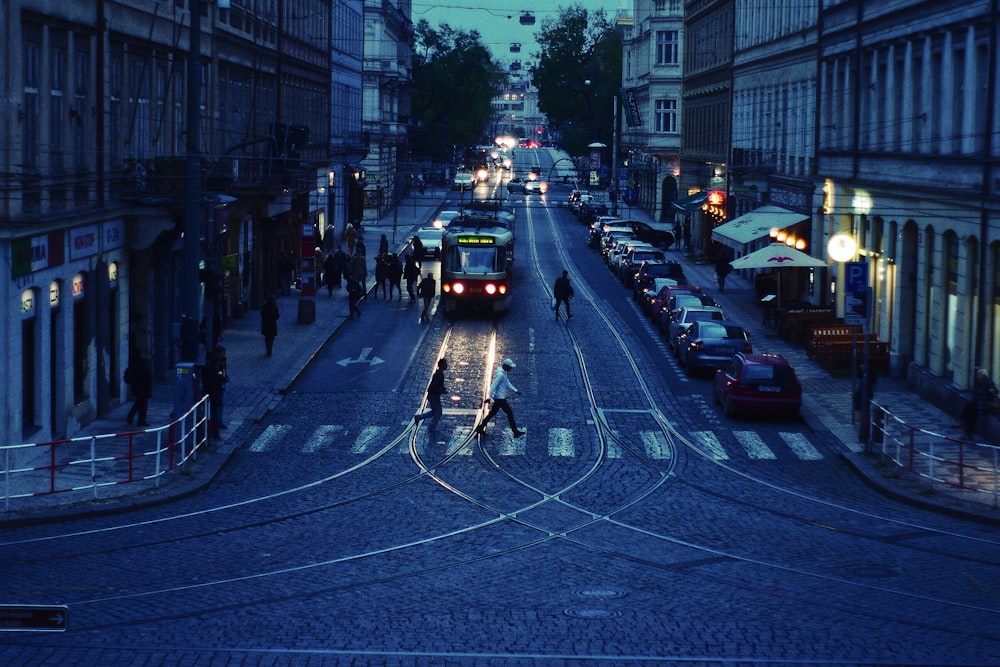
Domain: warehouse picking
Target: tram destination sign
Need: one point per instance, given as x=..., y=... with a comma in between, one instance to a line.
x=33, y=617
x=476, y=240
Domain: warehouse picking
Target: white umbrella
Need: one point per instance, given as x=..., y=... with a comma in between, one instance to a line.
x=776, y=256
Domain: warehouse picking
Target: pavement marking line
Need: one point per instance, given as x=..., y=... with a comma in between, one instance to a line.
x=270, y=434
x=512, y=446
x=754, y=445
x=321, y=438
x=368, y=435
x=656, y=445
x=709, y=441
x=457, y=441
x=561, y=442
x=803, y=449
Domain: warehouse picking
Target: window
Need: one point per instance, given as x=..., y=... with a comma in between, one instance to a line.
x=29, y=113
x=57, y=106
x=665, y=116
x=667, y=47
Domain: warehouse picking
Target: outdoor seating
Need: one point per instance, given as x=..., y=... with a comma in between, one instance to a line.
x=793, y=325
x=831, y=333
x=839, y=355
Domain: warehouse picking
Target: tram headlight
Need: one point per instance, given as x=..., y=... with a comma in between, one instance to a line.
x=457, y=288
x=491, y=289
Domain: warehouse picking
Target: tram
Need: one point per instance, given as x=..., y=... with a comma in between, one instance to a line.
x=477, y=260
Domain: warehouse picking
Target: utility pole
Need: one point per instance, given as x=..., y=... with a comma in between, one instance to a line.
x=191, y=279
x=614, y=157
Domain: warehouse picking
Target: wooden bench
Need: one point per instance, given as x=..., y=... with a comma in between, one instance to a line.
x=831, y=333
x=794, y=324
x=839, y=355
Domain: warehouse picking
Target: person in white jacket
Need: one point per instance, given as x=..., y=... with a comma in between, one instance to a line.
x=499, y=391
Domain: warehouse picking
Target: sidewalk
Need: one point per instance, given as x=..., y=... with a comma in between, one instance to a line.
x=258, y=383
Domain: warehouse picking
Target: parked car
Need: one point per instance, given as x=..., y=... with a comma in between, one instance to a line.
x=648, y=297
x=682, y=320
x=430, y=237
x=658, y=303
x=591, y=210
x=679, y=300
x=758, y=383
x=710, y=344
x=659, y=235
x=634, y=258
x=598, y=231
x=515, y=186
x=581, y=198
x=618, y=253
x=651, y=269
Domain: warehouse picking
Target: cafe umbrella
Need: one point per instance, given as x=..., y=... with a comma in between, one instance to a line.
x=777, y=256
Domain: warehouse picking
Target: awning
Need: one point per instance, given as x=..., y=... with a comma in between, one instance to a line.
x=756, y=224
x=691, y=202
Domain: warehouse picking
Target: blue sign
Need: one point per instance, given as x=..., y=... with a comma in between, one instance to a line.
x=855, y=277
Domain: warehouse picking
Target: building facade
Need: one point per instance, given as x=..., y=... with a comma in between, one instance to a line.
x=651, y=105
x=388, y=74
x=112, y=149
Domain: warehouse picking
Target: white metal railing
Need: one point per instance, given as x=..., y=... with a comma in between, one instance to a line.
x=937, y=458
x=95, y=462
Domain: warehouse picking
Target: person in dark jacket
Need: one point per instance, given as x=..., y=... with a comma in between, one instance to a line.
x=563, y=292
x=269, y=315
x=411, y=272
x=434, y=392
x=395, y=275
x=984, y=393
x=213, y=383
x=139, y=377
x=354, y=293
x=427, y=289
x=722, y=269
x=331, y=273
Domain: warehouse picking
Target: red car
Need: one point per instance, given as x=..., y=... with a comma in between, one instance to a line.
x=758, y=383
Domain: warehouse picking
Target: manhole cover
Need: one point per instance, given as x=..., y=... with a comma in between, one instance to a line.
x=601, y=594
x=592, y=614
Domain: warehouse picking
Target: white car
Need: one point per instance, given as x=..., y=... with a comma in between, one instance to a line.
x=464, y=180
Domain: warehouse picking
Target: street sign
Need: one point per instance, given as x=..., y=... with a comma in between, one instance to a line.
x=855, y=277
x=33, y=617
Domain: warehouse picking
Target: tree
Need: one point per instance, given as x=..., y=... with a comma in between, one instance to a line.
x=578, y=74
x=454, y=82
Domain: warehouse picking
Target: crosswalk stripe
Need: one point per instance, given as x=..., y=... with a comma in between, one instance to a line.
x=368, y=435
x=512, y=446
x=710, y=442
x=753, y=445
x=321, y=438
x=459, y=435
x=561, y=442
x=656, y=445
x=798, y=443
x=270, y=434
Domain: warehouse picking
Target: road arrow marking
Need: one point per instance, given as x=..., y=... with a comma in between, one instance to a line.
x=362, y=359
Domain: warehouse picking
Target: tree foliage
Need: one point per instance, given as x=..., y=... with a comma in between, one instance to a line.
x=578, y=74
x=454, y=82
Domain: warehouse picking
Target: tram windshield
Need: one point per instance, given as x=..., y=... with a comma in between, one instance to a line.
x=465, y=259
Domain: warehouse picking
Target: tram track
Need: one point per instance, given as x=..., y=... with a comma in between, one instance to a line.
x=573, y=524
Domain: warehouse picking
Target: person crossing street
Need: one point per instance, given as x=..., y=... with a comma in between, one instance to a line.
x=499, y=391
x=563, y=292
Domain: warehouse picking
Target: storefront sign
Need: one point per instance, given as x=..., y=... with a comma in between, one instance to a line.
x=83, y=242
x=35, y=253
x=112, y=235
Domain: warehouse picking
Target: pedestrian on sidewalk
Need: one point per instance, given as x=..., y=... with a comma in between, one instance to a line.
x=563, y=292
x=350, y=238
x=359, y=267
x=213, y=384
x=499, y=391
x=722, y=269
x=411, y=272
x=269, y=316
x=434, y=392
x=984, y=394
x=395, y=275
x=286, y=272
x=381, y=274
x=383, y=245
x=139, y=378
x=331, y=273
x=427, y=289
x=354, y=293
x=418, y=251
x=359, y=247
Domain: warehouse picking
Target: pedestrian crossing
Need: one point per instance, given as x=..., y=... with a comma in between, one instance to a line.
x=557, y=442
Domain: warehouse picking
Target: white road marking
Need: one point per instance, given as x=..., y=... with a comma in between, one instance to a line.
x=754, y=446
x=710, y=442
x=656, y=445
x=322, y=437
x=270, y=434
x=368, y=435
x=561, y=442
x=802, y=447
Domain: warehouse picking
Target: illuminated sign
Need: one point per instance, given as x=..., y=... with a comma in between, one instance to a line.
x=476, y=240
x=716, y=198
